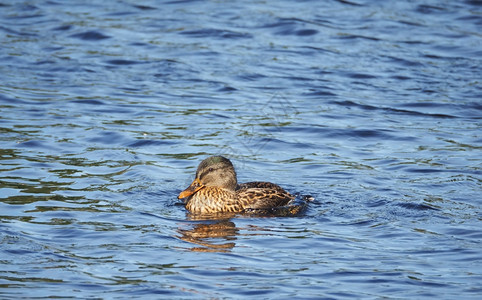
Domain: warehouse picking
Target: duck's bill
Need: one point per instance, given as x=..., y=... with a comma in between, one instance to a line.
x=193, y=188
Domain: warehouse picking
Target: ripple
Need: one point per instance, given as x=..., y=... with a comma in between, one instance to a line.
x=149, y=143
x=397, y=110
x=122, y=62
x=90, y=36
x=107, y=137
x=94, y=102
x=417, y=206
x=216, y=33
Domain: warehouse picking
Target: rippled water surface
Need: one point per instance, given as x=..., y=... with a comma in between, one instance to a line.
x=372, y=107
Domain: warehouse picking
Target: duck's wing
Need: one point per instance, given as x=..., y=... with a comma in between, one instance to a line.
x=262, y=195
x=258, y=184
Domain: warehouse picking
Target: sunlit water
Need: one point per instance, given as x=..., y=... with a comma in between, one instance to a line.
x=372, y=107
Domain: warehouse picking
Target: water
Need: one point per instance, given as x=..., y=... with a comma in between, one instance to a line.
x=371, y=107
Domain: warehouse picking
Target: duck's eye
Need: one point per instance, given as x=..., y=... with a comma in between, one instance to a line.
x=210, y=170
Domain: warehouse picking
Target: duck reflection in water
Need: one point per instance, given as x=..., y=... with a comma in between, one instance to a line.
x=211, y=236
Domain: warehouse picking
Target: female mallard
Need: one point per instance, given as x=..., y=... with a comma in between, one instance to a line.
x=215, y=190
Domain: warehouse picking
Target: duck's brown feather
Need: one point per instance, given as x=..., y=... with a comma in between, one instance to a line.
x=213, y=200
x=251, y=195
x=262, y=195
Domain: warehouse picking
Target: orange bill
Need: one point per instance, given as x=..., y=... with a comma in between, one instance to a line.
x=193, y=188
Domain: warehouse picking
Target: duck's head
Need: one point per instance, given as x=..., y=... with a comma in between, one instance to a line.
x=214, y=171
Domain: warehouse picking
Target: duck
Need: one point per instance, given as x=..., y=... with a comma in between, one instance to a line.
x=215, y=190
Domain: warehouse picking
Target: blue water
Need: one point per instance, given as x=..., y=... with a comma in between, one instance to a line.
x=371, y=107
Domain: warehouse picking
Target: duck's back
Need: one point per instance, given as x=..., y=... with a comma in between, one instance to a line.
x=262, y=195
